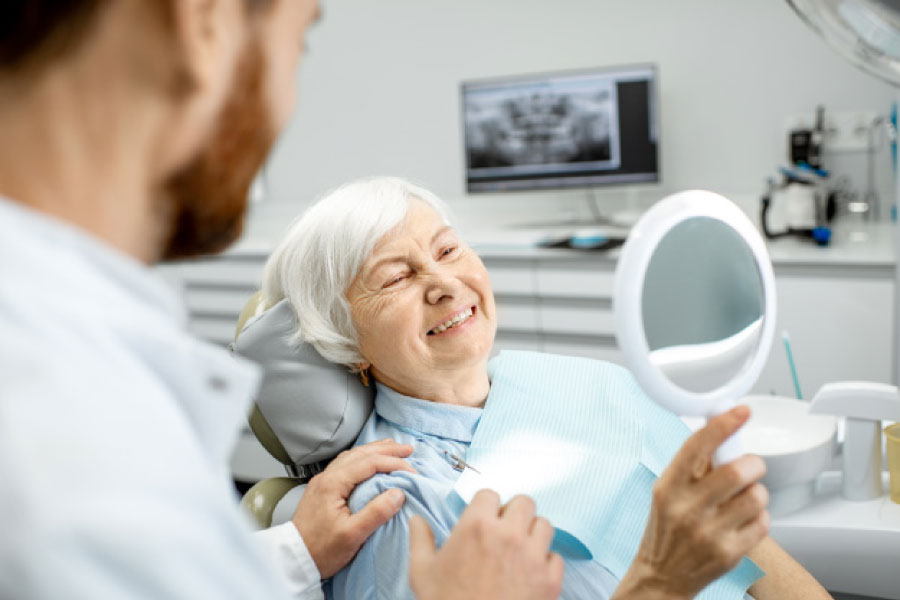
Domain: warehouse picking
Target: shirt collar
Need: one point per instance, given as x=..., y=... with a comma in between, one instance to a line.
x=141, y=284
x=433, y=418
x=132, y=302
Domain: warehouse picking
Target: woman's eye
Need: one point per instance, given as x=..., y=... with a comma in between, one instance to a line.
x=447, y=251
x=395, y=280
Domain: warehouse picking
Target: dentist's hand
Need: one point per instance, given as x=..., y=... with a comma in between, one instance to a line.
x=703, y=520
x=501, y=554
x=332, y=535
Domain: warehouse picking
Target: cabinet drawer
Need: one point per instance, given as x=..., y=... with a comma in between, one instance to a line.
x=514, y=280
x=226, y=302
x=517, y=315
x=231, y=273
x=215, y=330
x=596, y=349
x=577, y=319
x=575, y=283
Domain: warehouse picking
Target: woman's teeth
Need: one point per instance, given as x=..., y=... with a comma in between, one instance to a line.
x=458, y=319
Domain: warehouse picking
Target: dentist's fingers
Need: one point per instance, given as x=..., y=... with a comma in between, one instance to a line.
x=422, y=549
x=332, y=535
x=373, y=515
x=542, y=533
x=484, y=502
x=487, y=555
x=519, y=513
x=352, y=474
x=386, y=447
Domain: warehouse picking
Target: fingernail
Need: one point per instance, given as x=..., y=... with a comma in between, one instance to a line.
x=397, y=497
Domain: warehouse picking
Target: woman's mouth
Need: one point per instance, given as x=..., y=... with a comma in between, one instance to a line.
x=453, y=322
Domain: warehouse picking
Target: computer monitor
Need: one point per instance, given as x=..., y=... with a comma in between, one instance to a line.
x=569, y=129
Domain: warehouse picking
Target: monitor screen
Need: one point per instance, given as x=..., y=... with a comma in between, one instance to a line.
x=571, y=129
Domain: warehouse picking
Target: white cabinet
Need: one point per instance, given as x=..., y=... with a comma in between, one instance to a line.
x=841, y=326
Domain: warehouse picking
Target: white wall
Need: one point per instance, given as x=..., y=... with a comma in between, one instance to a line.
x=378, y=92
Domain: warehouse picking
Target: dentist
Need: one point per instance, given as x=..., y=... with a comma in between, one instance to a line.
x=131, y=130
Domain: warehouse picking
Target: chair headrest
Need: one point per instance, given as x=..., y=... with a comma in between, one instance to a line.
x=314, y=407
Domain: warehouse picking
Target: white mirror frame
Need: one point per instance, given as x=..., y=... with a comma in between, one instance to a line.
x=627, y=300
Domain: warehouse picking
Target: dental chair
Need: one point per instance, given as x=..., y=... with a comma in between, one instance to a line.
x=306, y=411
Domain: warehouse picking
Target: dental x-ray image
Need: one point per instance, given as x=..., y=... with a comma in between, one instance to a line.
x=558, y=125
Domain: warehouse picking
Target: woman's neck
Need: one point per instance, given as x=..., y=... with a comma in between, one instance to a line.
x=464, y=388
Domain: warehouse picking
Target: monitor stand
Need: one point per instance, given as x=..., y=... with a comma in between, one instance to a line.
x=621, y=219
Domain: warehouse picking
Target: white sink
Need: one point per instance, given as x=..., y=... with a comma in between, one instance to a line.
x=795, y=445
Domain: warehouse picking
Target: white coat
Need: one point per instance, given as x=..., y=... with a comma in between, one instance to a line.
x=116, y=427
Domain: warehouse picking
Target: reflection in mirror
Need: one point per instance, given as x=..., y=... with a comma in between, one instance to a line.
x=702, y=304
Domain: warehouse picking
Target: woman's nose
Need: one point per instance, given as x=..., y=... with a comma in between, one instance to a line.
x=442, y=285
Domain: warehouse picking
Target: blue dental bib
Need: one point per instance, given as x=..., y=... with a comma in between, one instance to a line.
x=586, y=443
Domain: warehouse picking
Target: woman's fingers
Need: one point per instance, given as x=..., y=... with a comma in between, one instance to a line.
x=693, y=460
x=748, y=537
x=744, y=508
x=728, y=480
x=702, y=520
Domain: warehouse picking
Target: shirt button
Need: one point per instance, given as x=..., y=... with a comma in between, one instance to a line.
x=217, y=383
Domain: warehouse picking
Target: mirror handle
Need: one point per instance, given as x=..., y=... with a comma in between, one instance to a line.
x=731, y=449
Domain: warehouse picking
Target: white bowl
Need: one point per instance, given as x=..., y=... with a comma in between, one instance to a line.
x=795, y=445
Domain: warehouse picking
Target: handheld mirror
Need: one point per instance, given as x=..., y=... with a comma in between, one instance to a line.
x=695, y=306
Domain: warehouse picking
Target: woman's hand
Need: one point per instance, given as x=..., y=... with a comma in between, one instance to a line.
x=703, y=520
x=332, y=535
x=501, y=554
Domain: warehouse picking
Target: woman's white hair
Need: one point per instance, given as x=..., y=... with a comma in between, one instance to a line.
x=318, y=259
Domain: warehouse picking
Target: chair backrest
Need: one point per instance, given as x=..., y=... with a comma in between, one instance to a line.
x=258, y=424
x=307, y=409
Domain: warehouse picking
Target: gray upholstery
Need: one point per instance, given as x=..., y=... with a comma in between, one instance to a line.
x=314, y=407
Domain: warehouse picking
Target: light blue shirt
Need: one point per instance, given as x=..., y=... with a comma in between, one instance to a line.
x=436, y=431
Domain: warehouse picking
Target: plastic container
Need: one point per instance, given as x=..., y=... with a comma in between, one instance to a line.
x=892, y=433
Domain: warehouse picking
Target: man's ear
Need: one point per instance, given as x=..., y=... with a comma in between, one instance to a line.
x=208, y=36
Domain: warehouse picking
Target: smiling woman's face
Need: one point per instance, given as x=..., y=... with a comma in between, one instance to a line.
x=423, y=307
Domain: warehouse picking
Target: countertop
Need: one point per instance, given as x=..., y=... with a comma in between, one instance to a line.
x=852, y=245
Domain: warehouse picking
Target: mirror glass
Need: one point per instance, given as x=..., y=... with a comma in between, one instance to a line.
x=702, y=305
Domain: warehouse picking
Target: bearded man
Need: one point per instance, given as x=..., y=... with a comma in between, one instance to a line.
x=131, y=130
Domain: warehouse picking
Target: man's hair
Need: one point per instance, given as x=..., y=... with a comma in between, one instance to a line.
x=33, y=32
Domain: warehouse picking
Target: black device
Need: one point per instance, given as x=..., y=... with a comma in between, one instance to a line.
x=806, y=144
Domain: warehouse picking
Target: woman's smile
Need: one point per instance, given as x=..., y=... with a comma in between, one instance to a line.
x=456, y=323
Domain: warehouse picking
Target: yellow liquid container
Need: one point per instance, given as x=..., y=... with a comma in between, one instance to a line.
x=892, y=433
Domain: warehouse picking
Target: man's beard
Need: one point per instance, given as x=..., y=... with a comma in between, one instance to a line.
x=205, y=201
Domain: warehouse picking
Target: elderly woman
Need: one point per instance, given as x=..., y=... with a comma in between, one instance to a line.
x=382, y=283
